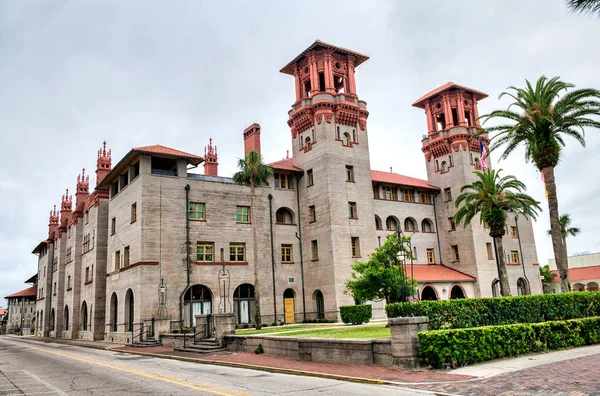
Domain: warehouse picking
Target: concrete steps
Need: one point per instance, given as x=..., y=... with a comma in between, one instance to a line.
x=205, y=346
x=146, y=343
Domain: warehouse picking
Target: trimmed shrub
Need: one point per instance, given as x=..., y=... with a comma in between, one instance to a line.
x=477, y=312
x=356, y=314
x=459, y=347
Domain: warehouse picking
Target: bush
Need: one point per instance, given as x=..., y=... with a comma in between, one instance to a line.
x=259, y=349
x=175, y=331
x=477, y=312
x=459, y=347
x=356, y=314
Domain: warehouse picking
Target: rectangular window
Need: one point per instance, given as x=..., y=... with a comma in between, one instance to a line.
x=430, y=256
x=69, y=255
x=414, y=253
x=309, y=178
x=451, y=224
x=490, y=252
x=314, y=249
x=284, y=181
x=135, y=170
x=312, y=214
x=376, y=191
x=407, y=195
x=355, y=247
x=117, y=260
x=54, y=289
x=124, y=179
x=349, y=173
x=390, y=193
x=134, y=212
x=205, y=252
x=286, y=254
x=113, y=226
x=455, y=253
x=68, y=282
x=237, y=252
x=448, y=194
x=114, y=189
x=242, y=214
x=514, y=232
x=126, y=256
x=514, y=257
x=197, y=211
x=87, y=274
x=425, y=198
x=352, y=212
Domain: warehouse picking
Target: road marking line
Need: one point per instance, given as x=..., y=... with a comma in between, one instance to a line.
x=165, y=378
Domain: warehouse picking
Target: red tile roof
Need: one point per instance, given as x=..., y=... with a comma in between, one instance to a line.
x=29, y=292
x=394, y=178
x=419, y=102
x=286, y=164
x=162, y=150
x=358, y=57
x=580, y=274
x=437, y=273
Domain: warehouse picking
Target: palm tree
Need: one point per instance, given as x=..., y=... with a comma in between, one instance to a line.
x=566, y=230
x=540, y=124
x=493, y=197
x=547, y=277
x=254, y=173
x=584, y=6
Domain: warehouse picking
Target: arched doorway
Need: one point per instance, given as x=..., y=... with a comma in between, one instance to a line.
x=114, y=305
x=66, y=317
x=197, y=301
x=428, y=293
x=319, y=303
x=129, y=310
x=243, y=303
x=84, y=317
x=592, y=286
x=578, y=287
x=457, y=292
x=522, y=287
x=288, y=305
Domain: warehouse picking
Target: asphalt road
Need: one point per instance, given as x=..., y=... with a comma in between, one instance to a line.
x=34, y=368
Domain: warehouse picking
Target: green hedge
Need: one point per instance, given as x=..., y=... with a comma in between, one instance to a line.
x=458, y=347
x=356, y=314
x=477, y=312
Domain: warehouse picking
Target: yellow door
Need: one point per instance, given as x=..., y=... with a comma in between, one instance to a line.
x=288, y=304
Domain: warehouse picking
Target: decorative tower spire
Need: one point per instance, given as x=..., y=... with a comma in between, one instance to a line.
x=211, y=162
x=83, y=189
x=103, y=165
x=65, y=208
x=53, y=223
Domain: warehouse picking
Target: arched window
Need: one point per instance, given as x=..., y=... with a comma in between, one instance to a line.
x=197, y=301
x=578, y=287
x=319, y=304
x=391, y=224
x=84, y=317
x=457, y=292
x=410, y=225
x=426, y=225
x=378, y=223
x=52, y=319
x=129, y=310
x=428, y=293
x=444, y=167
x=592, y=286
x=284, y=216
x=243, y=303
x=307, y=143
x=477, y=166
x=346, y=139
x=66, y=317
x=114, y=305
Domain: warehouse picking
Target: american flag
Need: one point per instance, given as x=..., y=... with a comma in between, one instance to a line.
x=483, y=159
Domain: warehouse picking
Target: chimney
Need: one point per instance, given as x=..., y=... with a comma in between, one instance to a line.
x=53, y=224
x=252, y=139
x=83, y=189
x=65, y=209
x=211, y=162
x=103, y=165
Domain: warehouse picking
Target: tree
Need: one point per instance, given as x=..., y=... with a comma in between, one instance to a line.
x=493, y=197
x=547, y=277
x=254, y=173
x=566, y=230
x=540, y=125
x=383, y=276
x=584, y=6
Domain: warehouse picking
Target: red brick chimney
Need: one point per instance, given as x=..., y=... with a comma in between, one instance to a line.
x=252, y=139
x=103, y=165
x=211, y=162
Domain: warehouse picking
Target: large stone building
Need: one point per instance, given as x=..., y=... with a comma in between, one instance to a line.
x=21, y=312
x=155, y=241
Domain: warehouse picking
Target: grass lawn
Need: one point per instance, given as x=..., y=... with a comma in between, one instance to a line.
x=379, y=331
x=277, y=329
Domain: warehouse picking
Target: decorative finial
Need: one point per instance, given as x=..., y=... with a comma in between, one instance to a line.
x=391, y=171
x=287, y=154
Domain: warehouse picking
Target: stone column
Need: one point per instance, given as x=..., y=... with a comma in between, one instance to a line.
x=460, y=109
x=224, y=324
x=298, y=83
x=351, y=81
x=430, y=128
x=447, y=111
x=405, y=343
x=475, y=111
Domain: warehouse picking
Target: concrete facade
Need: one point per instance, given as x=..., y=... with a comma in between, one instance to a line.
x=162, y=244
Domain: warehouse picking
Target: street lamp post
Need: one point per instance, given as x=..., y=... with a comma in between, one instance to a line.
x=402, y=257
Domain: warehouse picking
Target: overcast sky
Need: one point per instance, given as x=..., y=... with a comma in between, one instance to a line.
x=135, y=73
